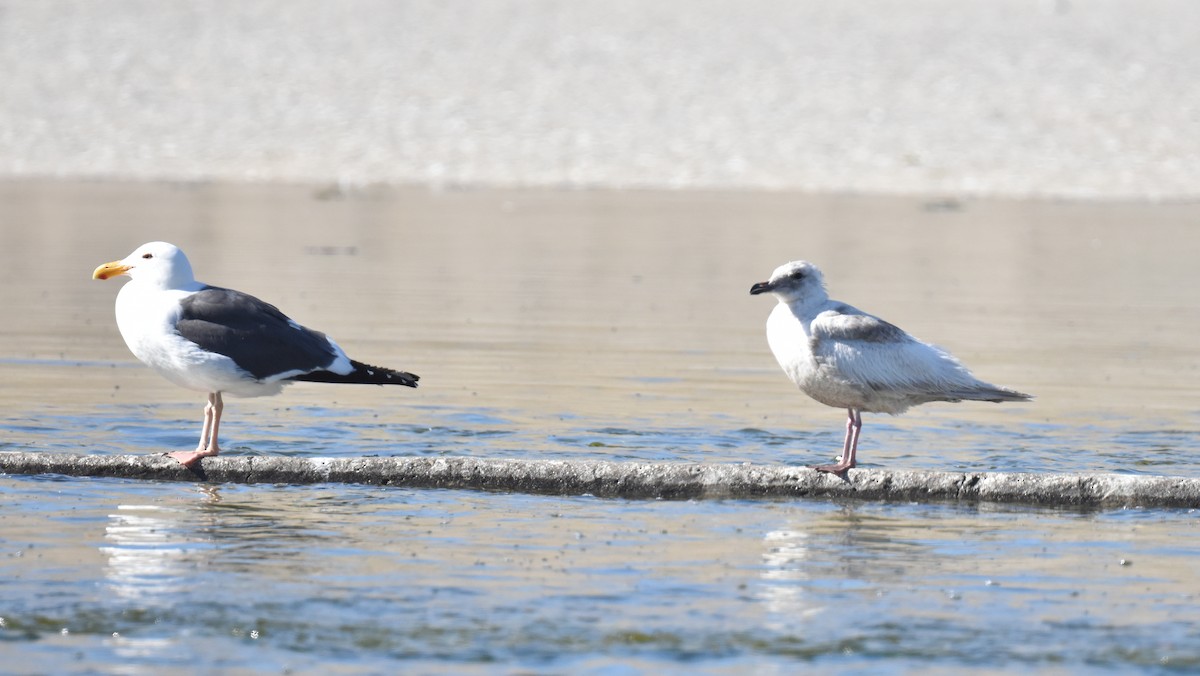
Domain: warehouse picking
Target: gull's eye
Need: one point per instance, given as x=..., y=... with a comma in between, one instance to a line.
x=798, y=274
x=147, y=255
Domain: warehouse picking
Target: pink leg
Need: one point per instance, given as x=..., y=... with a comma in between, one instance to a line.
x=208, y=435
x=208, y=415
x=218, y=405
x=849, y=447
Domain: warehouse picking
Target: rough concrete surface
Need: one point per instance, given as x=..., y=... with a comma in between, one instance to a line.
x=634, y=480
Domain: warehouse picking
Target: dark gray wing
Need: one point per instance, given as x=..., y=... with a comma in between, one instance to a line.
x=847, y=323
x=254, y=334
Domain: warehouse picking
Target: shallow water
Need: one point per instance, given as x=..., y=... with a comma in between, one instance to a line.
x=137, y=577
x=611, y=325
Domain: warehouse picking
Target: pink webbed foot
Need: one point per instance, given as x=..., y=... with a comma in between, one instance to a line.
x=190, y=458
x=838, y=469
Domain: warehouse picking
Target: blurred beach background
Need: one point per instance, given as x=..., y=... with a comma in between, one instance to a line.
x=553, y=212
x=1020, y=98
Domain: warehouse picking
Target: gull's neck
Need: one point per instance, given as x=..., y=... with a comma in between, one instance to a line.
x=174, y=283
x=806, y=307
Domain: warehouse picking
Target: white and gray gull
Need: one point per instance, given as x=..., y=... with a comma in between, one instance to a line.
x=846, y=358
x=217, y=340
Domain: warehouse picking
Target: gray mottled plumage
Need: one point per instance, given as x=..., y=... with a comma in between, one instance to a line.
x=847, y=358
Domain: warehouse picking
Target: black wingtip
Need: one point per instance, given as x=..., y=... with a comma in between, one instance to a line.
x=363, y=374
x=380, y=375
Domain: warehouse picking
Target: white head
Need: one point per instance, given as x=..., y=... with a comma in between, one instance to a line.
x=157, y=264
x=798, y=281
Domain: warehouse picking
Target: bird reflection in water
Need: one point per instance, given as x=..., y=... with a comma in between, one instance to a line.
x=153, y=552
x=808, y=569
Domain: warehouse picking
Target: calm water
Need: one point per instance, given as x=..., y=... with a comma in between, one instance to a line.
x=134, y=578
x=599, y=325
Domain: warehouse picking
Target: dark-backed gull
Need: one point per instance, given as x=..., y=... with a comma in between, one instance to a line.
x=221, y=341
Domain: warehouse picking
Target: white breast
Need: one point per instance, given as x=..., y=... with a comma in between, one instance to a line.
x=815, y=375
x=147, y=318
x=788, y=339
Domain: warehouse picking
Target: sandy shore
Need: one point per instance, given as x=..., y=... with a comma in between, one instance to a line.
x=1014, y=98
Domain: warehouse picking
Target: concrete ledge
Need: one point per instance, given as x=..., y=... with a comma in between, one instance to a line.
x=638, y=480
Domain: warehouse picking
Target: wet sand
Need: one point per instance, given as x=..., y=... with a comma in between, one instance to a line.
x=618, y=304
